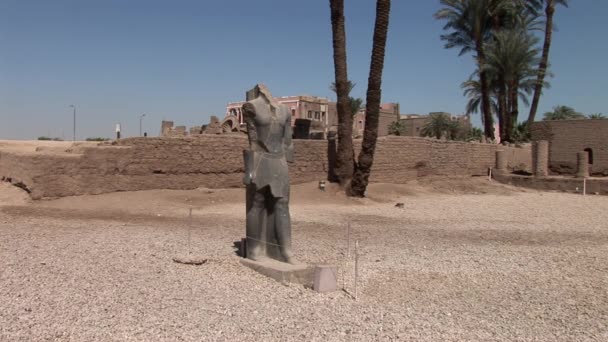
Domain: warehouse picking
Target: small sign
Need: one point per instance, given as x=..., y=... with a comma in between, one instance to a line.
x=117, y=128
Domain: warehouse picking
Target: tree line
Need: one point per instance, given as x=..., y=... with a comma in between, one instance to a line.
x=510, y=64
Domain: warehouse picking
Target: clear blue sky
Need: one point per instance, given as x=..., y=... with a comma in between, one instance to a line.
x=185, y=59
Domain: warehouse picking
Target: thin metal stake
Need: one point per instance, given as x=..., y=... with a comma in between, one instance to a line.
x=347, y=256
x=356, y=267
x=584, y=186
x=348, y=241
x=189, y=227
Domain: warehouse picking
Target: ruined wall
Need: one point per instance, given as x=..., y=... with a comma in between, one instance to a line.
x=216, y=161
x=568, y=137
x=518, y=158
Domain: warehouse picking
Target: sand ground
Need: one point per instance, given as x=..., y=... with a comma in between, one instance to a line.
x=464, y=259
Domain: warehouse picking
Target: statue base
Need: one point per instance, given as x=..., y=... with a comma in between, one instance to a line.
x=283, y=272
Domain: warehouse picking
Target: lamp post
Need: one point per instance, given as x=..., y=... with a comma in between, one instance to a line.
x=141, y=117
x=74, y=107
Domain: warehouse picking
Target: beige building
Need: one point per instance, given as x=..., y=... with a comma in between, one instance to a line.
x=389, y=113
x=414, y=123
x=320, y=111
x=316, y=109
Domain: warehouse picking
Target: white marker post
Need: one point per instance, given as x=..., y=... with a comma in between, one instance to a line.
x=348, y=241
x=189, y=227
x=356, y=268
x=584, y=186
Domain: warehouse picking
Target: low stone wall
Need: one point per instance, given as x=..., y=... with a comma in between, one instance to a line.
x=566, y=138
x=216, y=162
x=555, y=183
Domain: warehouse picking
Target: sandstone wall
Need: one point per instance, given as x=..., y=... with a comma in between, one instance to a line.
x=216, y=161
x=568, y=137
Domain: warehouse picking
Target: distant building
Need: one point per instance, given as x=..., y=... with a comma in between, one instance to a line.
x=320, y=111
x=389, y=113
x=316, y=109
x=414, y=123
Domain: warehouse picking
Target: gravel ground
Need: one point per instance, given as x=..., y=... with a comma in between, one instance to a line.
x=503, y=265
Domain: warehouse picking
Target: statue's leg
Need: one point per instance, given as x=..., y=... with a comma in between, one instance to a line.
x=255, y=221
x=283, y=228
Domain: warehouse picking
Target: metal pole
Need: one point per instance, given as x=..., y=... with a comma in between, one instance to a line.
x=584, y=186
x=189, y=227
x=141, y=117
x=356, y=267
x=348, y=241
x=74, y=136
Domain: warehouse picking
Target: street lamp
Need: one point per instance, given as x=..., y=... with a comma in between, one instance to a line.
x=74, y=121
x=141, y=117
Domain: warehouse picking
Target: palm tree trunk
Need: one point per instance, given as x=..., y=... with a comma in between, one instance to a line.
x=542, y=67
x=513, y=108
x=345, y=154
x=486, y=108
x=374, y=96
x=502, y=108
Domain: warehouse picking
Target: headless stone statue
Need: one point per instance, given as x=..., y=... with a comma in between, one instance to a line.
x=266, y=177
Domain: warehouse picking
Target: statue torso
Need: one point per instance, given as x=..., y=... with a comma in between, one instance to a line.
x=270, y=125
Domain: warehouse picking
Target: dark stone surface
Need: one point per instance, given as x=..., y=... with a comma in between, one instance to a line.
x=266, y=176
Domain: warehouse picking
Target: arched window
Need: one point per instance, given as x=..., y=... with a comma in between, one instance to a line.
x=589, y=155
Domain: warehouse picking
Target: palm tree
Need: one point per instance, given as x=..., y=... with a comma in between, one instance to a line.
x=511, y=56
x=563, y=113
x=521, y=133
x=474, y=134
x=373, y=98
x=544, y=61
x=596, y=116
x=396, y=128
x=470, y=25
x=439, y=125
x=472, y=90
x=345, y=154
x=355, y=103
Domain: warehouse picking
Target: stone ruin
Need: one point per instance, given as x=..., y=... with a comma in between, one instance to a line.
x=214, y=126
x=169, y=130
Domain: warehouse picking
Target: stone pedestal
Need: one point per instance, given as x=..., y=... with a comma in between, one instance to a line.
x=582, y=164
x=325, y=278
x=540, y=156
x=321, y=278
x=283, y=272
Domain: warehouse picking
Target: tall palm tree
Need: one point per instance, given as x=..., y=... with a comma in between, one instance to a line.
x=345, y=154
x=470, y=25
x=511, y=55
x=472, y=90
x=544, y=61
x=373, y=98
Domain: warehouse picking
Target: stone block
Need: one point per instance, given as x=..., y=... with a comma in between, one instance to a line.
x=325, y=278
x=282, y=272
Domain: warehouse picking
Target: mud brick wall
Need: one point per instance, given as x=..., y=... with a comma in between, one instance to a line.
x=216, y=162
x=568, y=137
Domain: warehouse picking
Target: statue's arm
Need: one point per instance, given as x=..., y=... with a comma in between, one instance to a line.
x=249, y=113
x=287, y=138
